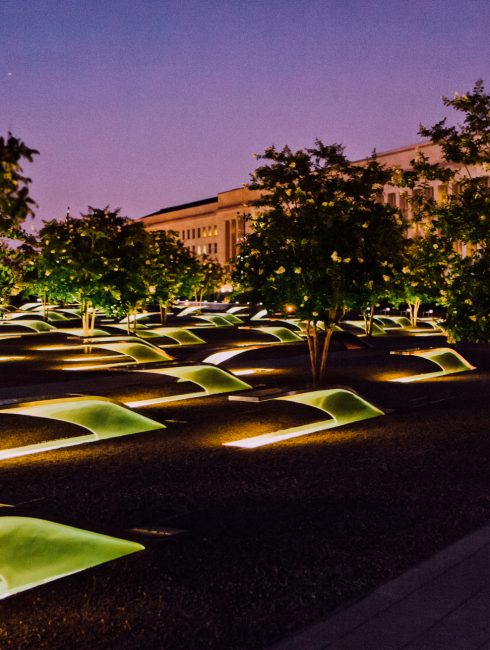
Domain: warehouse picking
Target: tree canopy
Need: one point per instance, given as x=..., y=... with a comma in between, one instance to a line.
x=322, y=238
x=15, y=206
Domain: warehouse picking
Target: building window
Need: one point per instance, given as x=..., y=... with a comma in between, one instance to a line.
x=230, y=239
x=215, y=230
x=198, y=250
x=198, y=233
x=442, y=193
x=183, y=234
x=391, y=199
x=404, y=204
x=193, y=233
x=188, y=234
x=215, y=248
x=210, y=231
x=204, y=233
x=193, y=249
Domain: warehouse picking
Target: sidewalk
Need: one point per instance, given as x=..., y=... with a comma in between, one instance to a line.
x=441, y=604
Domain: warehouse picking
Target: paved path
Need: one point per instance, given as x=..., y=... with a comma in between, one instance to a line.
x=441, y=604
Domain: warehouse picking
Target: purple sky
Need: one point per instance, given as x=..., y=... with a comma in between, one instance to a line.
x=143, y=104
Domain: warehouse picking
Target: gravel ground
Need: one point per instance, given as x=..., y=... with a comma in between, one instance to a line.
x=273, y=538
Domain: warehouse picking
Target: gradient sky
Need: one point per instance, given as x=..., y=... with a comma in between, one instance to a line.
x=143, y=104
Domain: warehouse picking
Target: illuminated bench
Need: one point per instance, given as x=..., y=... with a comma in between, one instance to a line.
x=102, y=417
x=448, y=360
x=214, y=381
x=36, y=551
x=343, y=405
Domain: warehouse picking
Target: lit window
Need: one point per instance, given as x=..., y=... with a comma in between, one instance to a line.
x=216, y=230
x=442, y=193
x=204, y=232
x=198, y=250
x=210, y=231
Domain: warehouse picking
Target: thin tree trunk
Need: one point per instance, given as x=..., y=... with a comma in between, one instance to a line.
x=416, y=308
x=326, y=345
x=312, y=340
x=84, y=312
x=92, y=322
x=371, y=321
x=44, y=304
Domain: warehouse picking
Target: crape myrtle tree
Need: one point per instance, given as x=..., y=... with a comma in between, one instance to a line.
x=322, y=239
x=15, y=206
x=208, y=278
x=172, y=271
x=463, y=220
x=426, y=256
x=97, y=260
x=434, y=269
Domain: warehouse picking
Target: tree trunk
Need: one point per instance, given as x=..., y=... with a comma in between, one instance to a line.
x=92, y=322
x=368, y=322
x=416, y=308
x=84, y=313
x=414, y=311
x=326, y=346
x=312, y=340
x=44, y=303
x=318, y=347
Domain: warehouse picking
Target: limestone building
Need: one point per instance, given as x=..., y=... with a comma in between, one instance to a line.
x=214, y=226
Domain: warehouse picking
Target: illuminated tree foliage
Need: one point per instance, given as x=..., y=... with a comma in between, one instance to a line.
x=208, y=278
x=462, y=221
x=15, y=206
x=171, y=271
x=426, y=256
x=97, y=261
x=322, y=239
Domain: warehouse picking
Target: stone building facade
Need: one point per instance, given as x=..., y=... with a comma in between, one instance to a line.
x=215, y=225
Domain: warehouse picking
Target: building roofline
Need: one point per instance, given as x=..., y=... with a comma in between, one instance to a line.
x=214, y=199
x=182, y=206
x=389, y=152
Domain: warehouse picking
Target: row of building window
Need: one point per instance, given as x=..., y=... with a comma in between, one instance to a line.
x=443, y=192
x=201, y=231
x=205, y=249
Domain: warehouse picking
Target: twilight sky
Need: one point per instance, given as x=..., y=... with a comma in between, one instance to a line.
x=143, y=104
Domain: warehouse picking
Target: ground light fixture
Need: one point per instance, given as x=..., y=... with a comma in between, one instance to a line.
x=101, y=416
x=342, y=404
x=36, y=551
x=448, y=360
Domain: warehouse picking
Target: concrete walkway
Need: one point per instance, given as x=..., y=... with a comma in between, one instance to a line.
x=441, y=604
